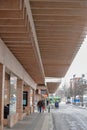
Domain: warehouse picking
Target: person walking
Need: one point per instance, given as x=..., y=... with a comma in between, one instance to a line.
x=39, y=104
x=43, y=105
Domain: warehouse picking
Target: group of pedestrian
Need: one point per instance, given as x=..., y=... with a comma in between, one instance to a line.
x=41, y=105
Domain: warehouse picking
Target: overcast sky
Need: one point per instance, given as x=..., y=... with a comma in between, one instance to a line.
x=79, y=64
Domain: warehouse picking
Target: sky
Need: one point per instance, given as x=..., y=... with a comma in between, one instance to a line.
x=79, y=64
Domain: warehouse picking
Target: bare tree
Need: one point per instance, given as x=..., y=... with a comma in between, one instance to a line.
x=78, y=88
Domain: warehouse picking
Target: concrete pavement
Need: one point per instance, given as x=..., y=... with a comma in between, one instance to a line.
x=35, y=121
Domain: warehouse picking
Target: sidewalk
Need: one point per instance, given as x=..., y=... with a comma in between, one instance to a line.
x=35, y=121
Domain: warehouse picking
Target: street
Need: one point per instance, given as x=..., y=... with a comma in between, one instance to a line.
x=69, y=117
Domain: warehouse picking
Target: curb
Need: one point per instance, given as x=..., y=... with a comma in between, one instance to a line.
x=50, y=122
x=45, y=125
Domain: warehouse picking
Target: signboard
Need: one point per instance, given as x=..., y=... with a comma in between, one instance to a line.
x=13, y=89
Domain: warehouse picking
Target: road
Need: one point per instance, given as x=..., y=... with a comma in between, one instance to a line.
x=69, y=117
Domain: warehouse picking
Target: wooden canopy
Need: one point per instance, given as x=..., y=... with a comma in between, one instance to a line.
x=44, y=35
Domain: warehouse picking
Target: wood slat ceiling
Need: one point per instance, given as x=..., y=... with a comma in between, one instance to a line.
x=52, y=87
x=60, y=26
x=15, y=31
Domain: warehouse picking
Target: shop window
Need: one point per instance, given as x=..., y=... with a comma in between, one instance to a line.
x=25, y=98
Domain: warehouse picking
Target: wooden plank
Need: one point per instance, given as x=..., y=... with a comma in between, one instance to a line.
x=60, y=30
x=12, y=42
x=16, y=39
x=57, y=45
x=64, y=23
x=10, y=4
x=7, y=22
x=59, y=37
x=18, y=47
x=60, y=27
x=11, y=14
x=60, y=12
x=59, y=1
x=14, y=35
x=59, y=18
x=55, y=5
x=13, y=29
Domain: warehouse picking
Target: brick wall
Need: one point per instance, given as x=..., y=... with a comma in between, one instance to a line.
x=19, y=98
x=7, y=90
x=2, y=80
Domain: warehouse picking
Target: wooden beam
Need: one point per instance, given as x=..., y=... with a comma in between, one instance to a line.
x=35, y=43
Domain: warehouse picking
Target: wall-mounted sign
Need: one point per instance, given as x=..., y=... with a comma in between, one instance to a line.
x=13, y=89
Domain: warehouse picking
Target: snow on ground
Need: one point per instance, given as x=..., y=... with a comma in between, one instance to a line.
x=68, y=117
